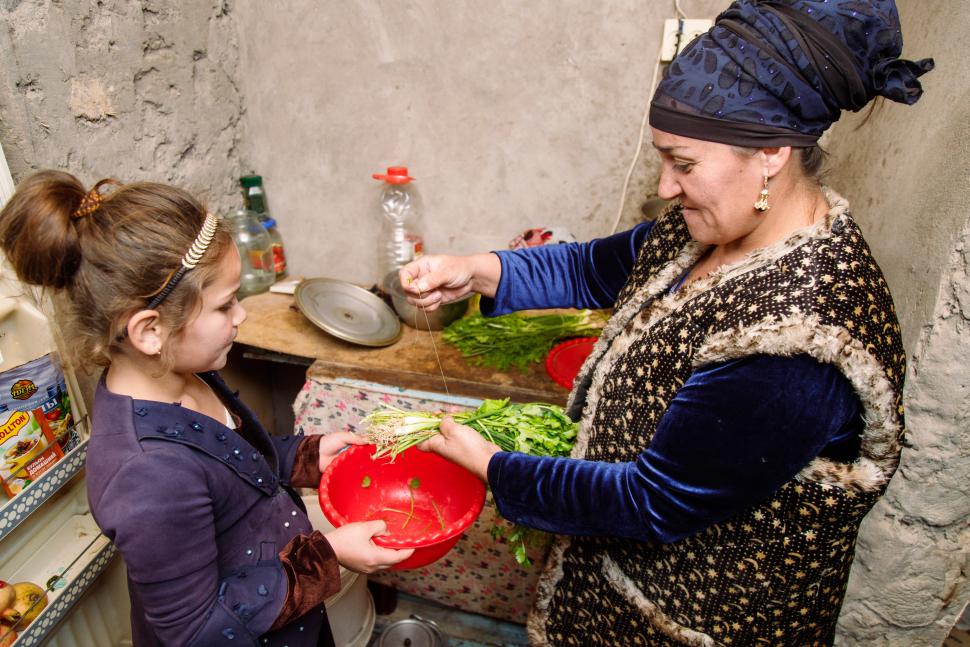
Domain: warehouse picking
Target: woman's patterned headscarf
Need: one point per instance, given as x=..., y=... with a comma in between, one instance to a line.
x=779, y=72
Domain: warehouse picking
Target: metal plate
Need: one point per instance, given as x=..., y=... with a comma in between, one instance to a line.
x=348, y=312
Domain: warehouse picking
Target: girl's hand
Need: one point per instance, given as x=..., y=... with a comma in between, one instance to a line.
x=355, y=548
x=432, y=280
x=462, y=445
x=332, y=444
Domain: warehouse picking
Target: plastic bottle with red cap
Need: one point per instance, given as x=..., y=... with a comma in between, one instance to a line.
x=401, y=224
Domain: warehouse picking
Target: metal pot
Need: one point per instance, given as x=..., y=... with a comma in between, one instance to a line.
x=412, y=632
x=416, y=317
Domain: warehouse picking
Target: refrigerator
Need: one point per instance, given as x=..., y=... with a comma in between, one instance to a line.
x=47, y=534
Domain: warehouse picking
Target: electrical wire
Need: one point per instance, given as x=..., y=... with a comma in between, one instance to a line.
x=643, y=127
x=636, y=154
x=680, y=12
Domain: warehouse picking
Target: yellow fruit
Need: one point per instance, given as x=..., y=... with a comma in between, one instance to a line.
x=7, y=596
x=30, y=601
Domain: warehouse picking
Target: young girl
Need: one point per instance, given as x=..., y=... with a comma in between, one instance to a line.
x=196, y=495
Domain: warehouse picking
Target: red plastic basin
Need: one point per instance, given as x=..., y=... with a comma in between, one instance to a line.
x=448, y=498
x=565, y=359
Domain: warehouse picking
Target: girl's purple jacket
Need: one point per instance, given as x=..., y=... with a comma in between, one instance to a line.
x=199, y=512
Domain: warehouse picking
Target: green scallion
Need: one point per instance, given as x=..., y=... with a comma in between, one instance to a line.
x=536, y=428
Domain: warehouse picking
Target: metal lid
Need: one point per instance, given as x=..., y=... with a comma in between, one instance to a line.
x=348, y=312
x=412, y=632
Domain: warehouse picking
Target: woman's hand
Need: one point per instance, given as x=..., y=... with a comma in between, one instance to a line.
x=433, y=280
x=354, y=546
x=332, y=444
x=462, y=445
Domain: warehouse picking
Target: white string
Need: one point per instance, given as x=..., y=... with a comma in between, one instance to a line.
x=434, y=346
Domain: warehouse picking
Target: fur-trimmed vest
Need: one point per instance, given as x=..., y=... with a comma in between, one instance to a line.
x=776, y=573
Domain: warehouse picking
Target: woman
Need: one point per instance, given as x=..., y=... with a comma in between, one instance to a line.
x=742, y=410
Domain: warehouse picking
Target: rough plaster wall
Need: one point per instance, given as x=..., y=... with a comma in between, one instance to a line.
x=133, y=90
x=510, y=114
x=907, y=174
x=909, y=582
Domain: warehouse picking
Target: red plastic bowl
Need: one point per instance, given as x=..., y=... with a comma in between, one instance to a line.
x=447, y=499
x=564, y=360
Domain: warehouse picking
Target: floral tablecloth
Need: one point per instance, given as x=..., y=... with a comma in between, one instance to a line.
x=479, y=574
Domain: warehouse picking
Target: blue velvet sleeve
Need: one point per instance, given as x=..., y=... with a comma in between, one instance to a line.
x=569, y=275
x=734, y=433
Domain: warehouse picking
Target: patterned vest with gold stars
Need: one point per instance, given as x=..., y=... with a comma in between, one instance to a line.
x=776, y=573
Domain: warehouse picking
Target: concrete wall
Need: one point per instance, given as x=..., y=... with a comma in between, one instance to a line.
x=907, y=173
x=905, y=169
x=909, y=583
x=509, y=114
x=133, y=90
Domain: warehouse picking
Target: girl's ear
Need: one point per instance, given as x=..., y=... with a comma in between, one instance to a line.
x=774, y=159
x=146, y=333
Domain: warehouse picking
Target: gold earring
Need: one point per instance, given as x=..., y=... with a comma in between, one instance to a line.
x=762, y=203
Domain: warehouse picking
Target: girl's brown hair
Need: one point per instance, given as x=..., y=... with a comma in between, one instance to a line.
x=110, y=262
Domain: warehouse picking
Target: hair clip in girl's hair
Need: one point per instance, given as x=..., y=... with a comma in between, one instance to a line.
x=90, y=203
x=202, y=242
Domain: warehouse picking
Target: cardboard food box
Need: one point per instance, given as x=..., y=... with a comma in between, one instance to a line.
x=35, y=422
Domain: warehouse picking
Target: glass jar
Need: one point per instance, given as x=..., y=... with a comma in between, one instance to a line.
x=254, y=197
x=276, y=241
x=255, y=252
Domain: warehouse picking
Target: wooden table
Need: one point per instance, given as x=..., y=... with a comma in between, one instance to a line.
x=275, y=325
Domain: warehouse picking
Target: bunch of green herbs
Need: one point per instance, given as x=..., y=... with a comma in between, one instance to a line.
x=536, y=428
x=515, y=339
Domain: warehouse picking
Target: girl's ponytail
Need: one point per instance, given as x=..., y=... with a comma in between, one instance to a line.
x=37, y=228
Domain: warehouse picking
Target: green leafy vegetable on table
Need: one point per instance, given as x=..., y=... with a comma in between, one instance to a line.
x=536, y=428
x=518, y=340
